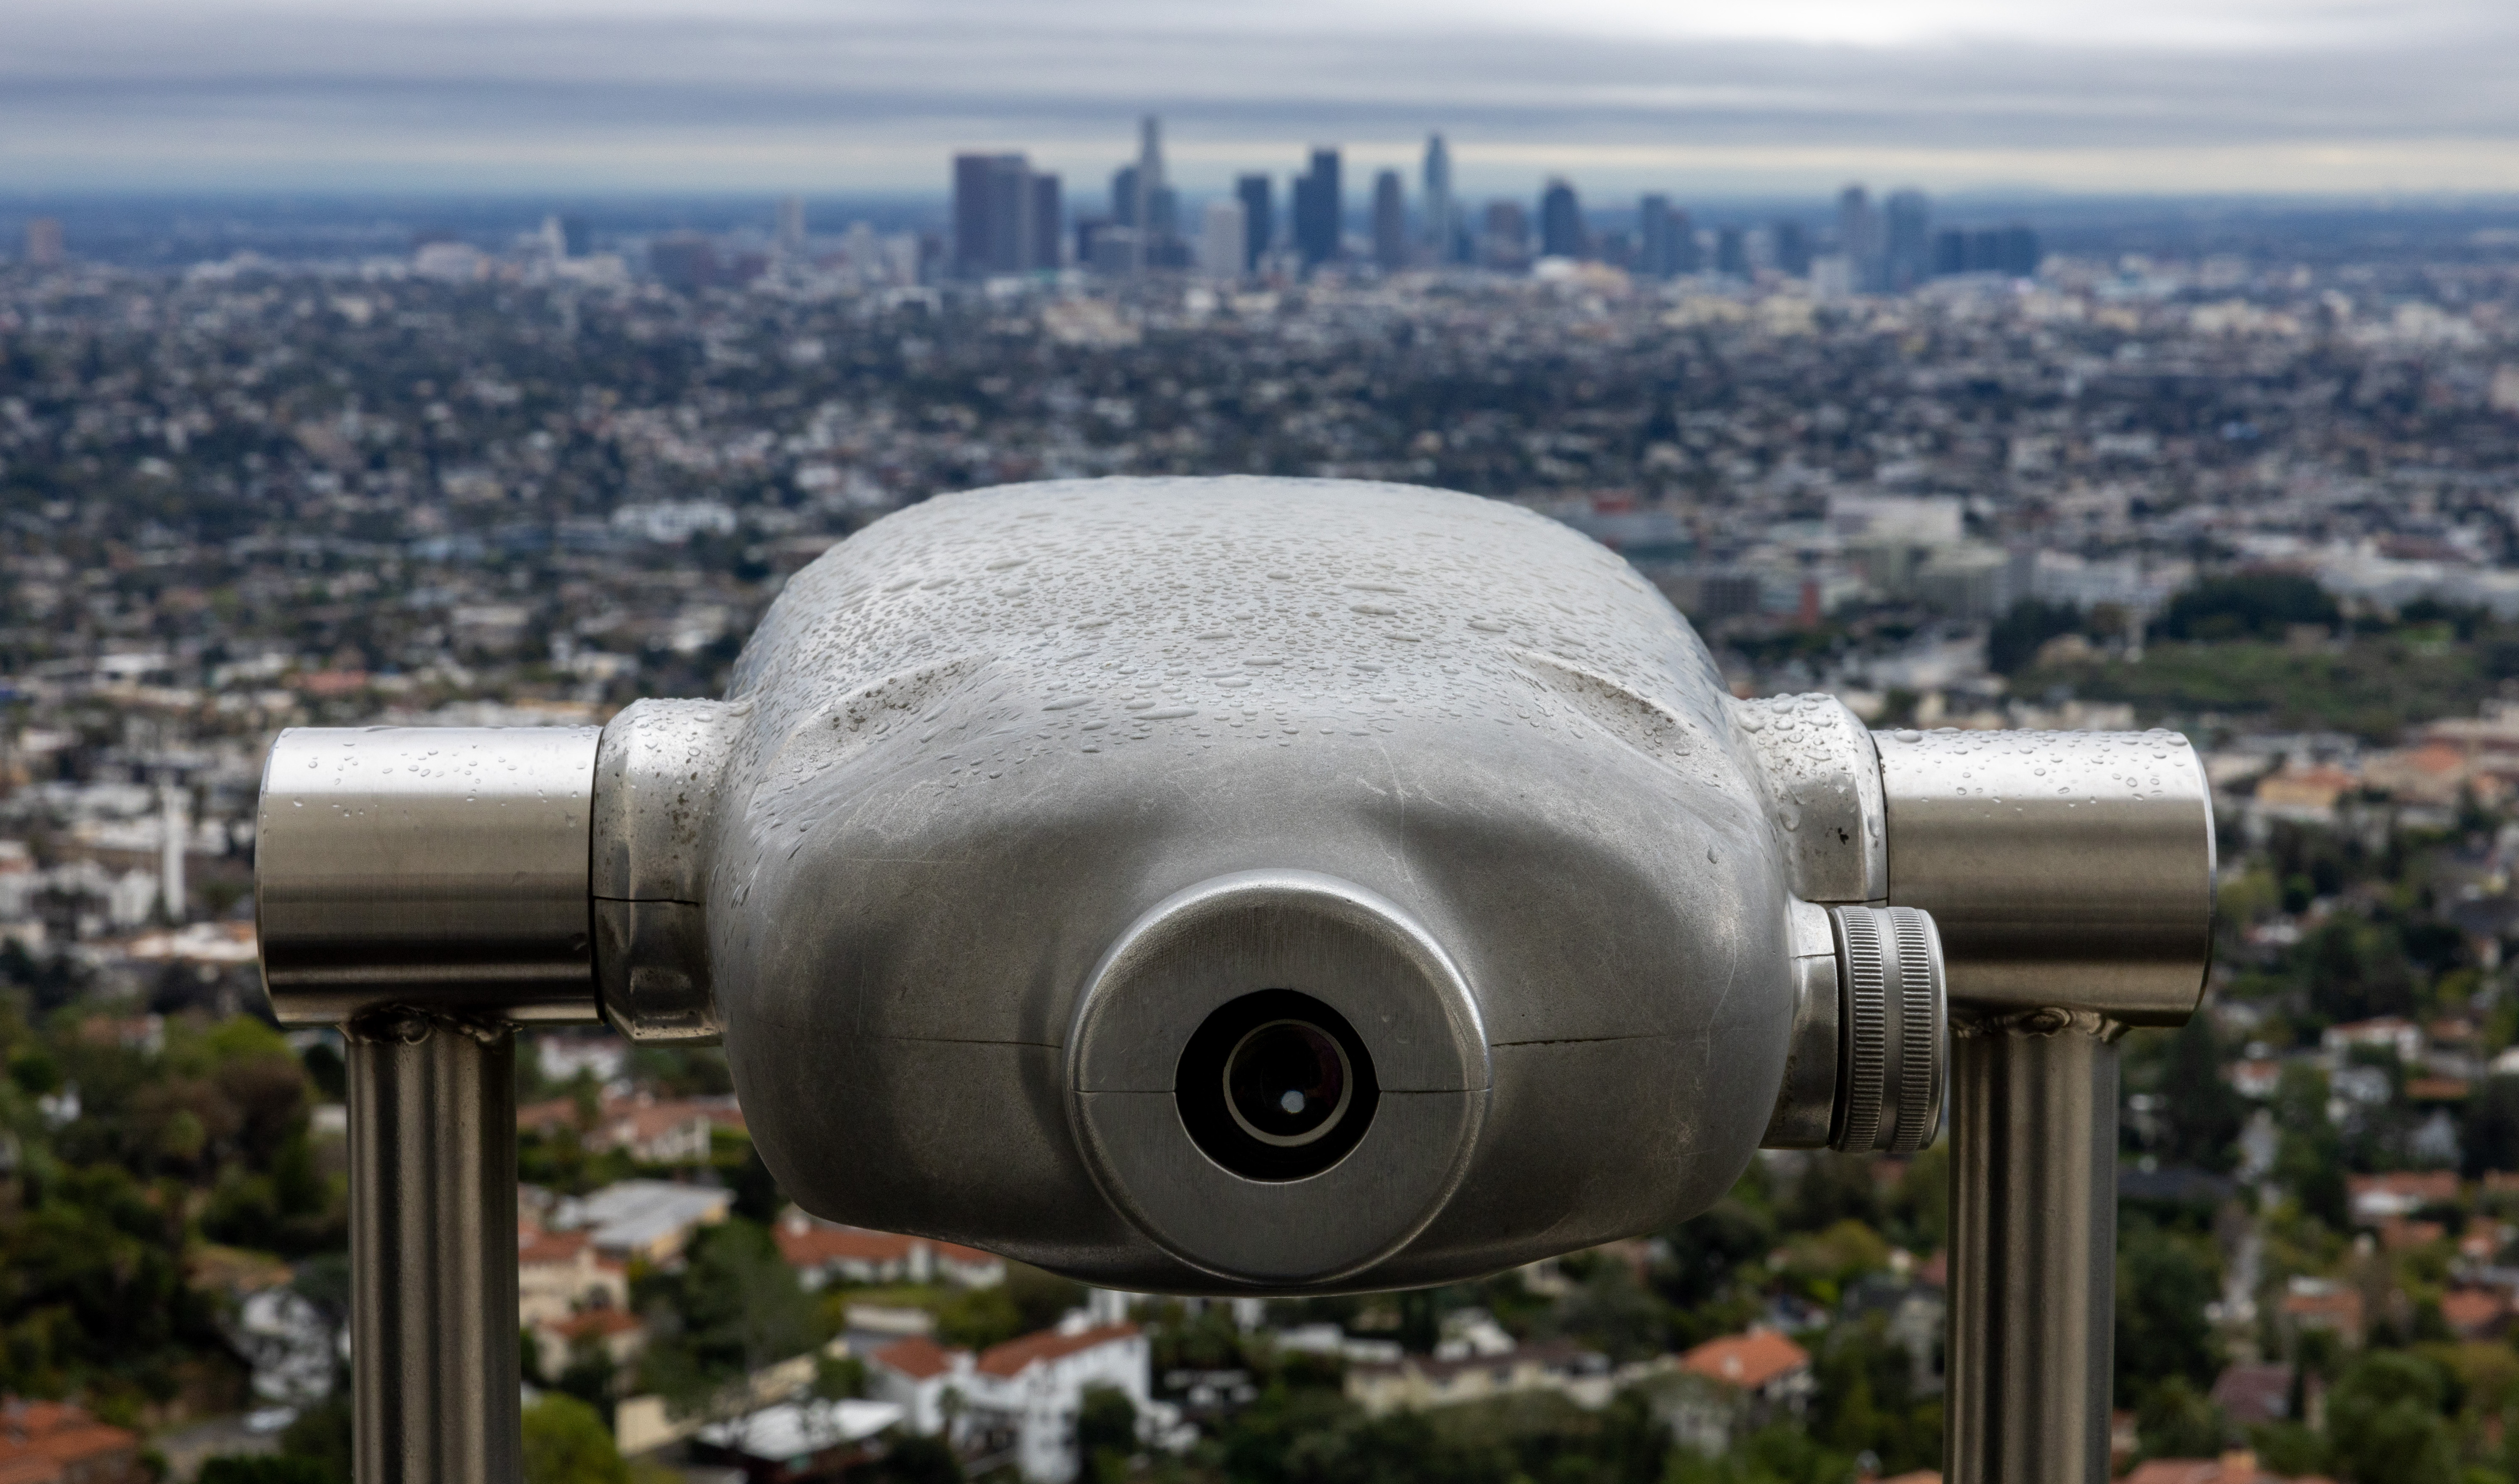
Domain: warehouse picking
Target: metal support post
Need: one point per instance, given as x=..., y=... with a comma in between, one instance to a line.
x=2032, y=1248
x=432, y=1250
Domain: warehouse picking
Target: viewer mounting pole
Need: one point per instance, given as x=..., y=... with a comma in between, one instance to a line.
x=2071, y=876
x=426, y=890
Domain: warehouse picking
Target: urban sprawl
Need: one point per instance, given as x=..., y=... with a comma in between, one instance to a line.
x=2265, y=496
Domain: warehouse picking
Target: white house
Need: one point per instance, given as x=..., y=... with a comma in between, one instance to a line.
x=1025, y=1394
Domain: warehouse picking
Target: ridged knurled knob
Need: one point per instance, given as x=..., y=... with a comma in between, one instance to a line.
x=1895, y=1017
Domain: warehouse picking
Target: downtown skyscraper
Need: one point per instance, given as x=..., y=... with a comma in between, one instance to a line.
x=1443, y=224
x=1005, y=216
x=1320, y=209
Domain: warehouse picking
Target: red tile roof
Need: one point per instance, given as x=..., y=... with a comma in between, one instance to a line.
x=1748, y=1361
x=551, y=1247
x=916, y=1357
x=600, y=1324
x=1012, y=1357
x=41, y=1442
x=813, y=1246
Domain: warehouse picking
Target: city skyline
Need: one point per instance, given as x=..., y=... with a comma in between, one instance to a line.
x=2222, y=95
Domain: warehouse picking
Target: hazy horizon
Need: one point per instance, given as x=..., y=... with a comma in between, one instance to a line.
x=2144, y=97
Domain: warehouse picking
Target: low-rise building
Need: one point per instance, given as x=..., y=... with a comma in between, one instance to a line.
x=649, y=1220
x=1770, y=1372
x=1021, y=1399
x=56, y=1443
x=560, y=1273
x=826, y=1252
x=618, y=1333
x=1415, y=1382
x=2400, y=1193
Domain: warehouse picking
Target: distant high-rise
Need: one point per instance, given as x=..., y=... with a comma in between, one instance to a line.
x=993, y=230
x=1858, y=236
x=791, y=225
x=1505, y=237
x=1561, y=223
x=1124, y=196
x=1791, y=250
x=1320, y=209
x=1390, y=222
x=1150, y=172
x=576, y=239
x=1732, y=252
x=1443, y=218
x=1907, y=247
x=1258, y=200
x=44, y=242
x=1047, y=215
x=1223, y=241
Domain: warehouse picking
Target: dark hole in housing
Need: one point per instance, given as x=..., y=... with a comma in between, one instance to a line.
x=1275, y=1086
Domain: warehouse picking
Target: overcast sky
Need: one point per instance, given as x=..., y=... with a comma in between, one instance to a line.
x=820, y=96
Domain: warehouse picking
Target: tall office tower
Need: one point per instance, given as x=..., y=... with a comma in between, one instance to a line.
x=576, y=238
x=1157, y=210
x=1505, y=241
x=993, y=199
x=1258, y=200
x=1657, y=256
x=2021, y=252
x=1950, y=252
x=44, y=242
x=1791, y=250
x=1124, y=196
x=1390, y=222
x=1225, y=241
x=1731, y=252
x=1561, y=223
x=554, y=240
x=1858, y=236
x=1907, y=251
x=791, y=225
x=1320, y=209
x=1047, y=213
x=1442, y=223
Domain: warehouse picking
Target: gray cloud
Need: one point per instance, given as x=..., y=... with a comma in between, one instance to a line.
x=873, y=97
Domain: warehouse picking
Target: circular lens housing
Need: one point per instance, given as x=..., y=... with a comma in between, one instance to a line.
x=1275, y=1086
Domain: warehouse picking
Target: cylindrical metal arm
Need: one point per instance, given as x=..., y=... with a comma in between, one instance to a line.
x=437, y=867
x=2033, y=1243
x=2062, y=868
x=433, y=1250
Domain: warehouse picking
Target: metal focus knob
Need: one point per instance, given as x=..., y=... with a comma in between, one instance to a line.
x=1897, y=1029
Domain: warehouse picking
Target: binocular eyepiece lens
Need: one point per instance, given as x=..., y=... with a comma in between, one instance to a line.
x=1286, y=1083
x=1275, y=1086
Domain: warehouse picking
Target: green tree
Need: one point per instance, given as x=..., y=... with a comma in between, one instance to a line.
x=2164, y=1283
x=567, y=1443
x=919, y=1458
x=2384, y=1422
x=2262, y=605
x=2175, y=1420
x=1106, y=1431
x=262, y=1468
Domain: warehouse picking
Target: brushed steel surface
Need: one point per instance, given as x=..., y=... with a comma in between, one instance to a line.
x=2062, y=868
x=435, y=1368
x=1825, y=781
x=2032, y=1255
x=656, y=784
x=1349, y=948
x=987, y=734
x=1806, y=1102
x=438, y=868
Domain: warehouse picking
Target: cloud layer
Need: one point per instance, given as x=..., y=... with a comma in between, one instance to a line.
x=2139, y=95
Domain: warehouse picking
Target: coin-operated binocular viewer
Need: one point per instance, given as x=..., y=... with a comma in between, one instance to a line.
x=1246, y=886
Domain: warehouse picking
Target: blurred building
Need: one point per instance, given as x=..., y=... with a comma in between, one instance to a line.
x=1320, y=207
x=1441, y=227
x=1390, y=222
x=1561, y=222
x=1259, y=199
x=44, y=242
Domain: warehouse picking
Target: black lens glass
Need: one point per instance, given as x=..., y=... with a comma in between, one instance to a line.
x=1275, y=1085
x=1287, y=1081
